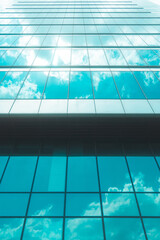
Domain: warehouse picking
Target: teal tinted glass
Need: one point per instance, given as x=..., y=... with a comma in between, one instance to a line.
x=83, y=228
x=119, y=204
x=57, y=85
x=19, y=174
x=9, y=57
x=127, y=85
x=33, y=86
x=145, y=174
x=104, y=86
x=80, y=85
x=11, y=228
x=50, y=204
x=11, y=84
x=3, y=161
x=123, y=228
x=149, y=83
x=13, y=204
x=152, y=228
x=50, y=175
x=149, y=204
x=114, y=176
x=38, y=228
x=82, y=174
x=26, y=57
x=150, y=57
x=83, y=204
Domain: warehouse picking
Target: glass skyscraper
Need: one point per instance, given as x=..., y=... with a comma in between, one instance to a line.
x=79, y=120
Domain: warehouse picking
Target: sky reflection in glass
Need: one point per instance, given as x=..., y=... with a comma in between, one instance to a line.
x=83, y=228
x=123, y=228
x=145, y=174
x=114, y=176
x=80, y=85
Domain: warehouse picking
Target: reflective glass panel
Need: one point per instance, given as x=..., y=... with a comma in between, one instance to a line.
x=145, y=174
x=57, y=85
x=114, y=176
x=13, y=204
x=50, y=204
x=19, y=174
x=50, y=175
x=82, y=174
x=83, y=204
x=80, y=85
x=104, y=86
x=119, y=204
x=11, y=228
x=83, y=228
x=123, y=228
x=39, y=228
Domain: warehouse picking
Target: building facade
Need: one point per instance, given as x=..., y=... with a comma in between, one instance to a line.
x=80, y=121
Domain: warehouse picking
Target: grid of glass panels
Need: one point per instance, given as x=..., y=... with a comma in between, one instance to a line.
x=79, y=57
x=79, y=197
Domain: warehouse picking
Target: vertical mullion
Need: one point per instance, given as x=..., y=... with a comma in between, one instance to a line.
x=29, y=198
x=100, y=196
x=135, y=194
x=65, y=195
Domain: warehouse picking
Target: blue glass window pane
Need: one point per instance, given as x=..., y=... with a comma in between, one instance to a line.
x=83, y=204
x=145, y=174
x=80, y=85
x=50, y=175
x=33, y=86
x=119, y=204
x=11, y=85
x=149, y=83
x=83, y=228
x=62, y=57
x=152, y=228
x=57, y=85
x=13, y=204
x=3, y=161
x=114, y=176
x=50, y=204
x=115, y=57
x=127, y=85
x=82, y=174
x=93, y=40
x=43, y=228
x=123, y=228
x=104, y=86
x=43, y=58
x=150, y=57
x=9, y=57
x=149, y=204
x=19, y=174
x=11, y=228
x=133, y=58
x=26, y=57
x=2, y=74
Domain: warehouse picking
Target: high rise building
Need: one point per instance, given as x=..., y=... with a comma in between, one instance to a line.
x=79, y=120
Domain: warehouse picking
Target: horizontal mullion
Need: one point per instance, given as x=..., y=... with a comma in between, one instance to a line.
x=83, y=217
x=51, y=192
x=81, y=47
x=80, y=66
x=76, y=8
x=62, y=34
x=80, y=17
x=68, y=12
x=78, y=24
